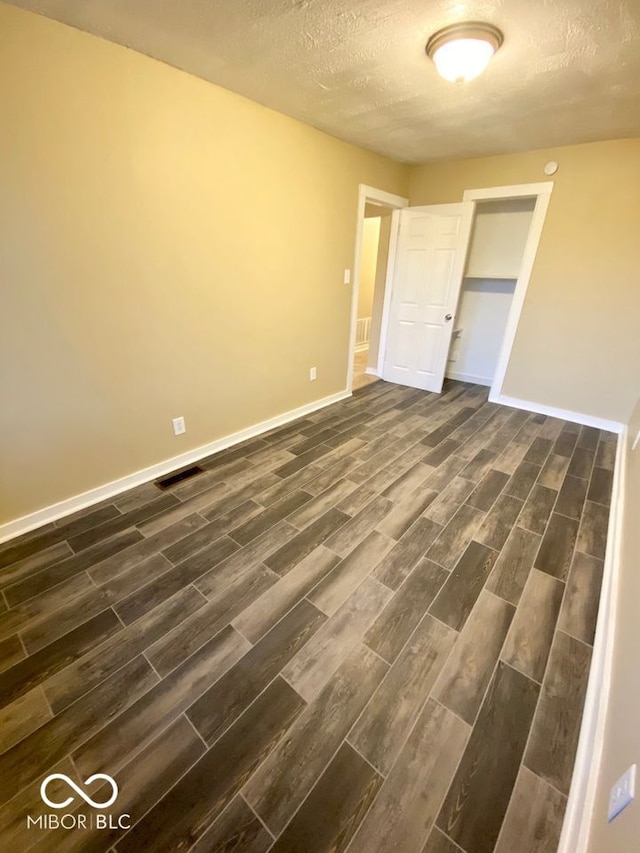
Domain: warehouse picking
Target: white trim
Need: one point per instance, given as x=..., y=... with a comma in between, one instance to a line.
x=372, y=371
x=584, y=782
x=468, y=377
x=510, y=191
x=553, y=412
x=381, y=196
x=361, y=347
x=63, y=508
x=365, y=194
x=543, y=193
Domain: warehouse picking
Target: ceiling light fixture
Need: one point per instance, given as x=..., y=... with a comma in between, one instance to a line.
x=461, y=52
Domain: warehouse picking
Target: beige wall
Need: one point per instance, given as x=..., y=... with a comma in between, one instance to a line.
x=622, y=735
x=168, y=248
x=164, y=241
x=368, y=263
x=577, y=346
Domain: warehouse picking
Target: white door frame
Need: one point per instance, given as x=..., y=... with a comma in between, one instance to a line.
x=542, y=192
x=365, y=194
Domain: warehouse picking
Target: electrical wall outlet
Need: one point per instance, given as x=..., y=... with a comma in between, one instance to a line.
x=622, y=793
x=347, y=276
x=312, y=374
x=179, y=426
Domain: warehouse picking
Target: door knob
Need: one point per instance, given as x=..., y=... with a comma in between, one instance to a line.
x=448, y=316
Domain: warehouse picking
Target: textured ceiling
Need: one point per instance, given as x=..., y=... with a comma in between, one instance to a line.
x=568, y=72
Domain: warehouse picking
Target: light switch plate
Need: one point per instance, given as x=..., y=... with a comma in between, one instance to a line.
x=179, y=427
x=622, y=792
x=347, y=276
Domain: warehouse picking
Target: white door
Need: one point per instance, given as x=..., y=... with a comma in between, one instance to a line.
x=429, y=264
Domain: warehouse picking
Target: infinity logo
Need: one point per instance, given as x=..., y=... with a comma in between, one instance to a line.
x=79, y=792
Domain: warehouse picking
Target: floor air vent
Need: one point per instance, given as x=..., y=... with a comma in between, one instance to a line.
x=178, y=477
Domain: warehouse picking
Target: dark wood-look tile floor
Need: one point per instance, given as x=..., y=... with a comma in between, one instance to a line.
x=369, y=629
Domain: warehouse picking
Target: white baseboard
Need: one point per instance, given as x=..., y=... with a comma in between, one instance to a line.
x=371, y=371
x=584, y=782
x=362, y=347
x=468, y=377
x=563, y=414
x=63, y=508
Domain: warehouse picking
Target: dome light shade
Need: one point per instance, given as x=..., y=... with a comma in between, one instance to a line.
x=463, y=51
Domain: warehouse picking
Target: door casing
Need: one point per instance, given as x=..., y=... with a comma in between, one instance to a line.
x=389, y=200
x=542, y=193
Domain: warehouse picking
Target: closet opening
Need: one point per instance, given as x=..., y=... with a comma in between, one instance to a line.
x=494, y=264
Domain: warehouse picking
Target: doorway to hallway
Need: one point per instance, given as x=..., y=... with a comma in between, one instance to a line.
x=373, y=248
